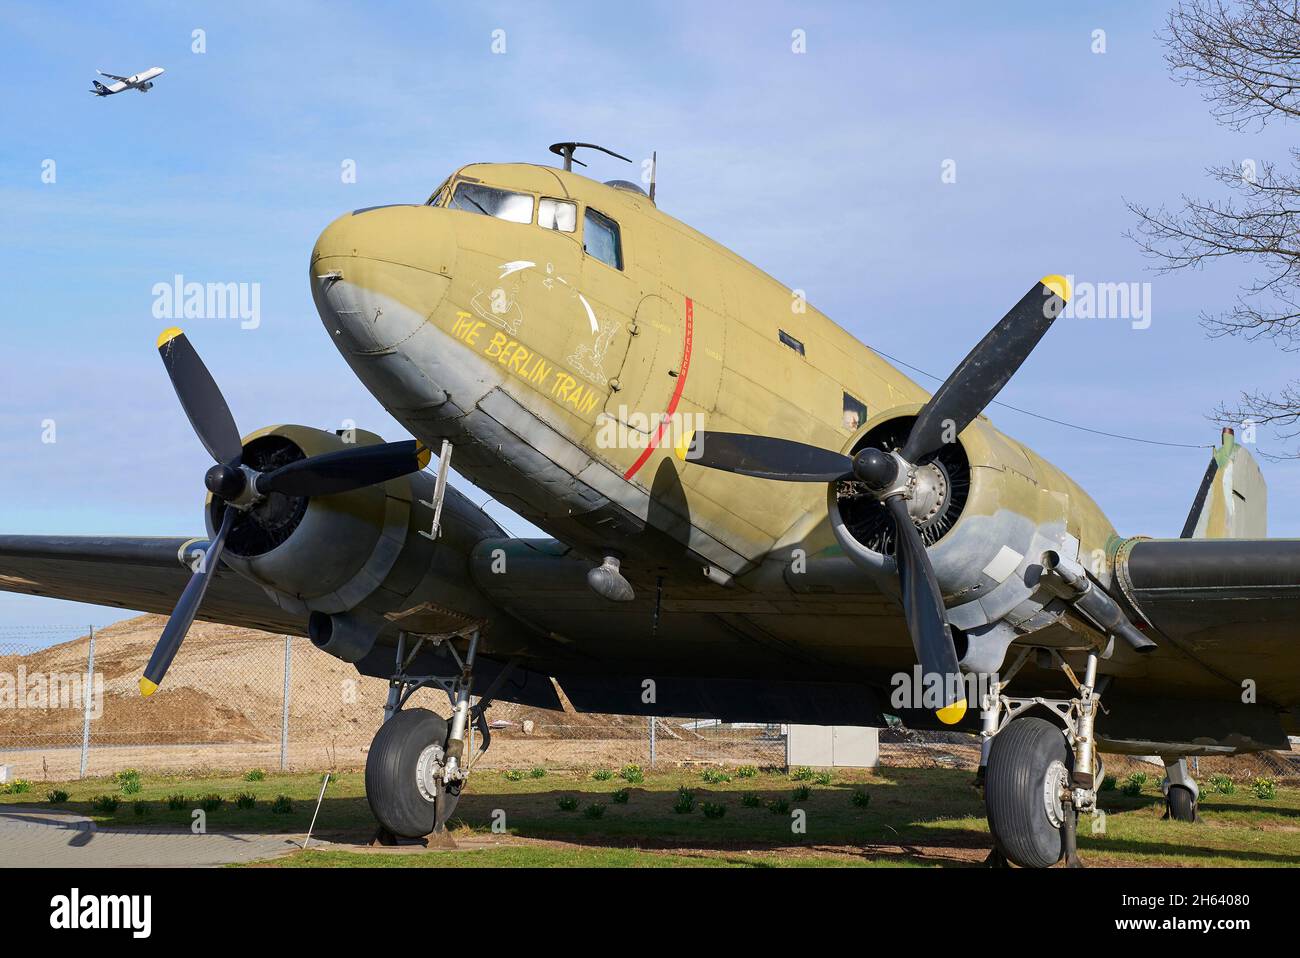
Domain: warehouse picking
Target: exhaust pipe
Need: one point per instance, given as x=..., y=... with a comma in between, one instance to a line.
x=344, y=635
x=1077, y=589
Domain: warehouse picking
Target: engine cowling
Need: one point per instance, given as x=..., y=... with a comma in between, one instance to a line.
x=349, y=564
x=987, y=509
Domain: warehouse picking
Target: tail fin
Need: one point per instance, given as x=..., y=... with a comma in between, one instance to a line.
x=99, y=88
x=1232, y=502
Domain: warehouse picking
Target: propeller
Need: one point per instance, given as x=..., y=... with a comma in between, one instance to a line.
x=241, y=487
x=885, y=472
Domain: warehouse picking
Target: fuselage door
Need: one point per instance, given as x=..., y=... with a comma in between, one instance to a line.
x=640, y=394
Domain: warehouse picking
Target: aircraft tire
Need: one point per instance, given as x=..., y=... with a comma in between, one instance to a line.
x=1179, y=804
x=392, y=787
x=1021, y=759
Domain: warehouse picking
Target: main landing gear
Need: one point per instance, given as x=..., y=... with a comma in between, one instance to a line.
x=1038, y=774
x=418, y=761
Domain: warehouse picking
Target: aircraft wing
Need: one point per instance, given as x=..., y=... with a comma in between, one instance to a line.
x=140, y=573
x=112, y=76
x=1232, y=604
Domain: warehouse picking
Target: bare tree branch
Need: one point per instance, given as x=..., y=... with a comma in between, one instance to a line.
x=1245, y=57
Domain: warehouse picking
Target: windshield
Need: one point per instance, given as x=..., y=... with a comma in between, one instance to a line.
x=504, y=205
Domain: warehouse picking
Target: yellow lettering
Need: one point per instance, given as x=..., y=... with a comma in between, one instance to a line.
x=494, y=348
x=463, y=322
x=520, y=357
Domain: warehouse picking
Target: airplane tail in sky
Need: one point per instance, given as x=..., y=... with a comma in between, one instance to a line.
x=1232, y=502
x=98, y=88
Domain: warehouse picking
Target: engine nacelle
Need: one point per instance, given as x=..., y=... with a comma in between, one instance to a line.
x=355, y=564
x=987, y=509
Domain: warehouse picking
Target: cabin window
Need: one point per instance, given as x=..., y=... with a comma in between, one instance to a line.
x=600, y=239
x=502, y=204
x=557, y=215
x=855, y=413
x=790, y=341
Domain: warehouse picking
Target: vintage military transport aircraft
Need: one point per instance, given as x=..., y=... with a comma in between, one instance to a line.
x=750, y=514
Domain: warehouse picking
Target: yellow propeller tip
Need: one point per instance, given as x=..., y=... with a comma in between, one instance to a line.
x=952, y=714
x=684, y=444
x=1058, y=285
x=147, y=688
x=167, y=335
x=423, y=455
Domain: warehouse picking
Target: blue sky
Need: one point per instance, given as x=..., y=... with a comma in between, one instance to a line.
x=823, y=168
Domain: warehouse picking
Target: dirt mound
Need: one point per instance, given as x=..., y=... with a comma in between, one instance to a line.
x=227, y=685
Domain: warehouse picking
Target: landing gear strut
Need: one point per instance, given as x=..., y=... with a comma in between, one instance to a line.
x=1039, y=776
x=418, y=761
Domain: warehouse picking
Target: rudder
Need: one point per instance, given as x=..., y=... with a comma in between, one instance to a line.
x=1232, y=501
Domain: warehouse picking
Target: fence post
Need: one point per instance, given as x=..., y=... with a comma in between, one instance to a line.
x=86, y=703
x=651, y=720
x=284, y=714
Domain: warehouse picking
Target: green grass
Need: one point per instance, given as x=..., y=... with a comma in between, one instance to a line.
x=541, y=856
x=908, y=808
x=171, y=800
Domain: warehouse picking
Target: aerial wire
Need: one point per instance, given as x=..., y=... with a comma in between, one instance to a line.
x=1057, y=422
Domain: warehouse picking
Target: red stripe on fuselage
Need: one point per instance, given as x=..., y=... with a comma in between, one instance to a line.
x=677, y=393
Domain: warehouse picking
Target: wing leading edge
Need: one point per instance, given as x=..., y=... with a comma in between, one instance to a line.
x=141, y=573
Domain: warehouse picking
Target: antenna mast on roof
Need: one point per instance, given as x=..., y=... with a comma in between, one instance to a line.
x=566, y=150
x=654, y=167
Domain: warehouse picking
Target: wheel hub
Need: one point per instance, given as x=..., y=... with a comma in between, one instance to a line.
x=428, y=772
x=1053, y=783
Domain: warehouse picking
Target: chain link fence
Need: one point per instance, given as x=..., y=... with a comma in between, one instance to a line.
x=233, y=700
x=70, y=706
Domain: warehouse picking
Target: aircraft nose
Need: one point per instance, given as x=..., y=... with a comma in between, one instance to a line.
x=378, y=273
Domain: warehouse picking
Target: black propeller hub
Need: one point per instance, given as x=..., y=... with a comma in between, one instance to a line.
x=225, y=481
x=878, y=469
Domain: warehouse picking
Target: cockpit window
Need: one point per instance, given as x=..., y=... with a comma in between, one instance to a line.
x=557, y=215
x=504, y=205
x=439, y=197
x=600, y=239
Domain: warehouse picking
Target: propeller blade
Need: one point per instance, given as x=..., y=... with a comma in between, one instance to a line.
x=765, y=457
x=345, y=470
x=186, y=609
x=923, y=608
x=200, y=397
x=985, y=370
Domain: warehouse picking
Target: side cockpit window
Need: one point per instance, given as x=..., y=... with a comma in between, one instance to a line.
x=600, y=239
x=440, y=195
x=502, y=204
x=557, y=215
